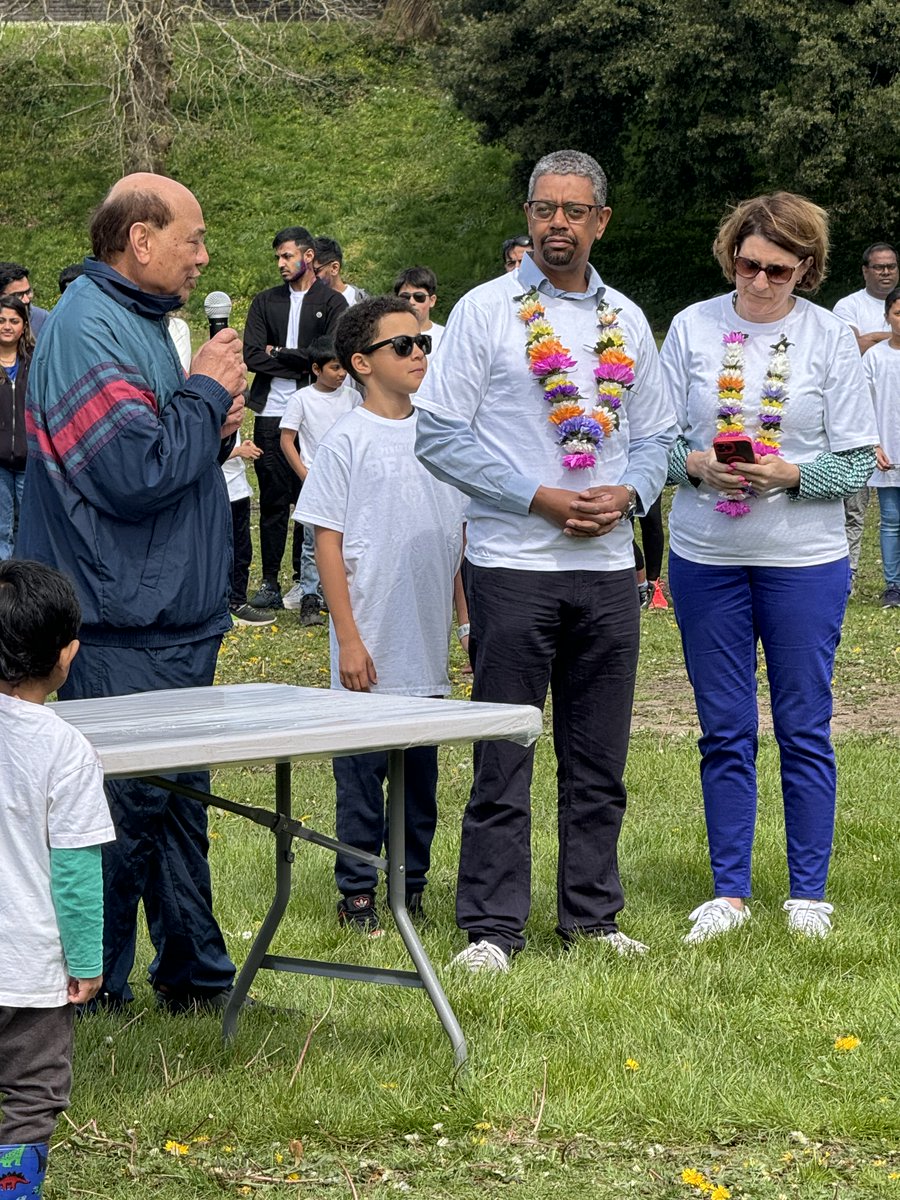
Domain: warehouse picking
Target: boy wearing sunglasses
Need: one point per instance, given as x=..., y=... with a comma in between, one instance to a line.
x=418, y=287
x=388, y=545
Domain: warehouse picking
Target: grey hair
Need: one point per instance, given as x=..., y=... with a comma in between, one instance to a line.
x=571, y=162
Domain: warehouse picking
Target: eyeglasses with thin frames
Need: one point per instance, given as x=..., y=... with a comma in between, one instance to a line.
x=402, y=344
x=546, y=210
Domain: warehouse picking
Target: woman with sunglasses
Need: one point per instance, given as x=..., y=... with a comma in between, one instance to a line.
x=776, y=427
x=16, y=346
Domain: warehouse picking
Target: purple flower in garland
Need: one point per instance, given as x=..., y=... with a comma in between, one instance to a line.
x=578, y=462
x=735, y=338
x=562, y=391
x=584, y=428
x=544, y=364
x=773, y=391
x=615, y=373
x=609, y=400
x=730, y=410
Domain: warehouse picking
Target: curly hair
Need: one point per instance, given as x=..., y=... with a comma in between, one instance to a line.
x=358, y=327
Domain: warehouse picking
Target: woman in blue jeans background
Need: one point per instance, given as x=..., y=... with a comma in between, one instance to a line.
x=16, y=345
x=758, y=553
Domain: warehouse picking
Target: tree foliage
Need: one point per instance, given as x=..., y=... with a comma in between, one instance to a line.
x=691, y=105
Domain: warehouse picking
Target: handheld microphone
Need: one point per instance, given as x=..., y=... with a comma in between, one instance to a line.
x=217, y=307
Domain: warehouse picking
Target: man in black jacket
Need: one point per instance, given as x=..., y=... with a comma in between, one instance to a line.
x=281, y=325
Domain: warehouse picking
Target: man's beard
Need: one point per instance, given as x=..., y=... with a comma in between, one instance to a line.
x=561, y=257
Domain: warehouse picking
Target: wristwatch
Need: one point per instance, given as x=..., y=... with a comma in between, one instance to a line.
x=632, y=502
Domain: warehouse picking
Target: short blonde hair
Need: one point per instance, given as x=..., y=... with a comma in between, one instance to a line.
x=790, y=221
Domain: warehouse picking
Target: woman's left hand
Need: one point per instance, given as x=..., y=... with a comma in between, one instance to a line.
x=770, y=473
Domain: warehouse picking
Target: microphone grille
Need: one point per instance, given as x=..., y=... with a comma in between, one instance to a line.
x=217, y=304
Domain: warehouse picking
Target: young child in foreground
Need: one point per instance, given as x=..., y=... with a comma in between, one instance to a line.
x=388, y=544
x=53, y=820
x=310, y=413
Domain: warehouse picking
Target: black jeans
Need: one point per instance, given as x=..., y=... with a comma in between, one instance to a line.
x=360, y=817
x=576, y=632
x=243, y=551
x=279, y=488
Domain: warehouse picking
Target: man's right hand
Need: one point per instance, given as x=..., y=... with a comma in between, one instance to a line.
x=221, y=358
x=578, y=514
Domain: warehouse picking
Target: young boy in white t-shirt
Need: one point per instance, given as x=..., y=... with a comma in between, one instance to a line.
x=388, y=544
x=53, y=821
x=310, y=413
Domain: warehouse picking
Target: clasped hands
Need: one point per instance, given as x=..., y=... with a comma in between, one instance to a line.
x=770, y=473
x=590, y=513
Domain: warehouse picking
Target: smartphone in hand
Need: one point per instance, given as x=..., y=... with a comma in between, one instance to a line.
x=736, y=450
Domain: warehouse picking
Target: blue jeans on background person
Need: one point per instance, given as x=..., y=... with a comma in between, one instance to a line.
x=309, y=572
x=795, y=613
x=889, y=532
x=11, y=485
x=361, y=822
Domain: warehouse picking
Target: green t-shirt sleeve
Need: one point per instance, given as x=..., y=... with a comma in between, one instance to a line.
x=76, y=885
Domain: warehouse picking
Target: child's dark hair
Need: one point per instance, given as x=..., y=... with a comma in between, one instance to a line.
x=891, y=299
x=321, y=351
x=417, y=277
x=358, y=327
x=39, y=616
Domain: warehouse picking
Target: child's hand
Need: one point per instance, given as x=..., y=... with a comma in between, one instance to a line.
x=357, y=671
x=881, y=460
x=248, y=449
x=82, y=990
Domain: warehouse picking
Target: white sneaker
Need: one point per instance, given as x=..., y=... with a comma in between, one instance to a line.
x=812, y=918
x=481, y=956
x=294, y=598
x=715, y=917
x=622, y=943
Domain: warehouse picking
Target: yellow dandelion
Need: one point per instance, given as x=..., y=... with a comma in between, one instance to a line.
x=201, y=1140
x=479, y=1141
x=483, y=1125
x=720, y=1192
x=693, y=1178
x=178, y=1149
x=293, y=1177
x=632, y=1064
x=894, y=1175
x=388, y=1087
x=279, y=1157
x=228, y=1149
x=844, y=1044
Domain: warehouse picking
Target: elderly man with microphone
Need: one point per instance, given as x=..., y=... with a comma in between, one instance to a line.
x=124, y=494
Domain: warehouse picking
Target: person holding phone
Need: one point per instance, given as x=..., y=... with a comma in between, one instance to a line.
x=776, y=427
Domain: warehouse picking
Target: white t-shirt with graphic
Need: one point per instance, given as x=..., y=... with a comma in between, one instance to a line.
x=881, y=365
x=51, y=795
x=863, y=312
x=402, y=545
x=828, y=409
x=312, y=413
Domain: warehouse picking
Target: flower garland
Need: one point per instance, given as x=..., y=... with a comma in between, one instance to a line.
x=730, y=414
x=580, y=436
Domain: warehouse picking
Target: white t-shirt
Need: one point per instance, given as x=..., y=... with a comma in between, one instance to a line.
x=436, y=332
x=51, y=795
x=350, y=294
x=402, y=543
x=828, y=409
x=180, y=333
x=864, y=312
x=235, y=472
x=881, y=366
x=485, y=381
x=313, y=412
x=281, y=390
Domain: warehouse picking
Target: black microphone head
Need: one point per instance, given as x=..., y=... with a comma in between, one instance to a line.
x=217, y=306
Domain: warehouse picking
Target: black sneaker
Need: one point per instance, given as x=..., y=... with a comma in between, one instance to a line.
x=309, y=611
x=178, y=1004
x=245, y=614
x=416, y=910
x=891, y=598
x=268, y=596
x=359, y=913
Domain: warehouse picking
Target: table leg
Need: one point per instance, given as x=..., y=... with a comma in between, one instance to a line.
x=284, y=858
x=397, y=903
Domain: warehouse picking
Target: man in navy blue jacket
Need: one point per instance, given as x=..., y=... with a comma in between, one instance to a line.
x=124, y=493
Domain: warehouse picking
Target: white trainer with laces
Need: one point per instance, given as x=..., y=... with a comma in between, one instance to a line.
x=622, y=943
x=294, y=598
x=481, y=956
x=715, y=917
x=812, y=918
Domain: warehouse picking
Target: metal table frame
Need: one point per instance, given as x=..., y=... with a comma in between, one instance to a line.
x=286, y=829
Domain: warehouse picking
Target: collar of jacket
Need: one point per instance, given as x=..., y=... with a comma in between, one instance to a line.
x=124, y=292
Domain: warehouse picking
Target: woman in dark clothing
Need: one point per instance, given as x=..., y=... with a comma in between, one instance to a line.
x=16, y=346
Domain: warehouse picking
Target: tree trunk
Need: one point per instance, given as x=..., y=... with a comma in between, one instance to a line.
x=147, y=122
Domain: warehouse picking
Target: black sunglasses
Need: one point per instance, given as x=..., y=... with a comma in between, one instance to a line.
x=403, y=344
x=419, y=297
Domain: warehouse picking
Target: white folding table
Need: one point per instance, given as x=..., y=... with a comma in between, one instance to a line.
x=150, y=734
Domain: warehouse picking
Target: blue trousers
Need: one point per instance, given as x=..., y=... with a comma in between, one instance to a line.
x=795, y=613
x=160, y=852
x=360, y=816
x=889, y=504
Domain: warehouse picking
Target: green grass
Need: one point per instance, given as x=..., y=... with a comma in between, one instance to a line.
x=351, y=1089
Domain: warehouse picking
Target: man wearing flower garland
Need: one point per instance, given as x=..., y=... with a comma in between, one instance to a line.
x=546, y=407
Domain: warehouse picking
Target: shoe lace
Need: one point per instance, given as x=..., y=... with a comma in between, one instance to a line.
x=481, y=954
x=711, y=915
x=625, y=944
x=809, y=914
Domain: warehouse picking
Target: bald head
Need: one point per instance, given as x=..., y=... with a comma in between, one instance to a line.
x=143, y=221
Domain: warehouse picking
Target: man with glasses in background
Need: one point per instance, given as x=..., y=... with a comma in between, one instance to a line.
x=14, y=281
x=546, y=407
x=513, y=251
x=863, y=311
x=418, y=287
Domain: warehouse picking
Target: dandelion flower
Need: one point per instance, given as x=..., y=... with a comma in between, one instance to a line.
x=632, y=1064
x=178, y=1149
x=844, y=1044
